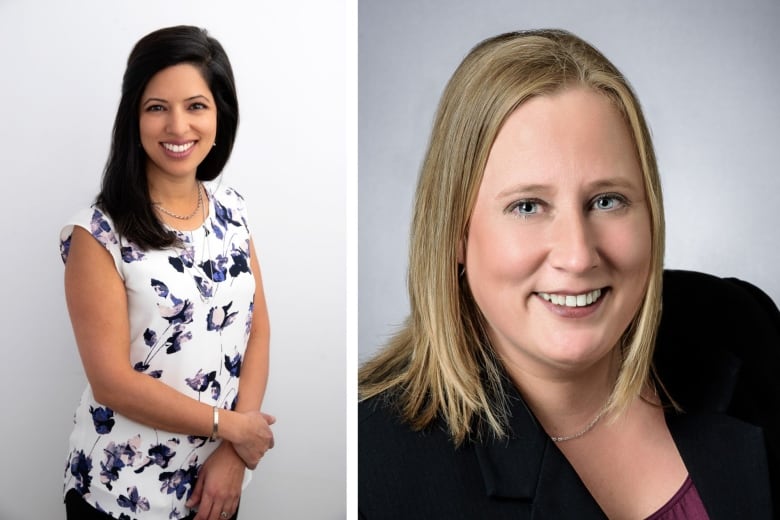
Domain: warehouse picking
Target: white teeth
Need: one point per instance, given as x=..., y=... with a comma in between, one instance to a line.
x=178, y=148
x=569, y=300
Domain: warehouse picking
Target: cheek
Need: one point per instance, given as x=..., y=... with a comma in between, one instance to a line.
x=210, y=123
x=627, y=245
x=146, y=127
x=500, y=253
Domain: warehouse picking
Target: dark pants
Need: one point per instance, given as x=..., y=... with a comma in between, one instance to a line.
x=76, y=508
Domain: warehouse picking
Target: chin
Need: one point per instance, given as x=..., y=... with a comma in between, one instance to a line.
x=577, y=350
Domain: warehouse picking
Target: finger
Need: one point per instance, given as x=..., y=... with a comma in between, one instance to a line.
x=233, y=508
x=229, y=508
x=204, y=511
x=196, y=492
x=270, y=419
x=245, y=457
x=216, y=512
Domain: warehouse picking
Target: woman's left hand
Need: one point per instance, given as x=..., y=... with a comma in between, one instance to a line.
x=218, y=487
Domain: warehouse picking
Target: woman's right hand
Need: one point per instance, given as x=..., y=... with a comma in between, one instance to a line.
x=252, y=436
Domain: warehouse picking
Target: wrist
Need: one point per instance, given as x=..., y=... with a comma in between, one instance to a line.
x=228, y=426
x=214, y=424
x=227, y=447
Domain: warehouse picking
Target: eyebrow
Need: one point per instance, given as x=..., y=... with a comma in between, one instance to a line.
x=191, y=98
x=614, y=182
x=530, y=189
x=537, y=189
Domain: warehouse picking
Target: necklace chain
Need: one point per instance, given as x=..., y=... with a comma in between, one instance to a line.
x=183, y=217
x=583, y=431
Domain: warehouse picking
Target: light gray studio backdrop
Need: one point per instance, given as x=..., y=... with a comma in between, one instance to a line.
x=705, y=72
x=61, y=65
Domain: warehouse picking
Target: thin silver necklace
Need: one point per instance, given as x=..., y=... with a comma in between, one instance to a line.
x=583, y=431
x=183, y=217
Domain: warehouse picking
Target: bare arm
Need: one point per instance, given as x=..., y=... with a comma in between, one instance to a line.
x=97, y=303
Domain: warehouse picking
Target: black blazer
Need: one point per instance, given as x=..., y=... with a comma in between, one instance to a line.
x=718, y=353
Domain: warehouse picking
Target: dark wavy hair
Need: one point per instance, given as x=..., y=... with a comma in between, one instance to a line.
x=124, y=192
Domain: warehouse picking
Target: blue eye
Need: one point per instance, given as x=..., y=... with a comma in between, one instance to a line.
x=609, y=202
x=525, y=208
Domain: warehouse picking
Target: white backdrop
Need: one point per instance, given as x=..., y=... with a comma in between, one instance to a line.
x=705, y=72
x=61, y=65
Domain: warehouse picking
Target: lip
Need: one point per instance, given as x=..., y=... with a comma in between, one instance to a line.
x=178, y=155
x=574, y=312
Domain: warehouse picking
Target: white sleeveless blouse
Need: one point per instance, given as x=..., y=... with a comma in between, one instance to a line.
x=190, y=311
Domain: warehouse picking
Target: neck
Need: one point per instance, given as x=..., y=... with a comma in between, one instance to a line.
x=173, y=192
x=566, y=403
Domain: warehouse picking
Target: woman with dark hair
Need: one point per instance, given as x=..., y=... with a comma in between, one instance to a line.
x=166, y=300
x=550, y=367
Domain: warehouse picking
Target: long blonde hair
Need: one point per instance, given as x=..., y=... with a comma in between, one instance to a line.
x=441, y=363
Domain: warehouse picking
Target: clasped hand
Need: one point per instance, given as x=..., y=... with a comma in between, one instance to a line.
x=254, y=437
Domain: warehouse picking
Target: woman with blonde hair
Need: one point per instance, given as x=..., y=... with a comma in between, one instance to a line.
x=535, y=376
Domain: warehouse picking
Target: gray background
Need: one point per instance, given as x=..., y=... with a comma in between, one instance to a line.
x=61, y=65
x=705, y=72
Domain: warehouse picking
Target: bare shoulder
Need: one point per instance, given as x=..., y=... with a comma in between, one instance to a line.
x=88, y=258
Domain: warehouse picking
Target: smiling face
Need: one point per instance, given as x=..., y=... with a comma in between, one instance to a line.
x=178, y=121
x=559, y=243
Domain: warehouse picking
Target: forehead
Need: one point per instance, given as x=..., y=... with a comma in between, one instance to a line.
x=185, y=79
x=575, y=133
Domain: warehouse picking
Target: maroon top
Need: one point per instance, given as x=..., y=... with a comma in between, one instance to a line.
x=684, y=505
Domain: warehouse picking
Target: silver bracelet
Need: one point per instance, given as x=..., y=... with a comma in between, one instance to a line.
x=215, y=425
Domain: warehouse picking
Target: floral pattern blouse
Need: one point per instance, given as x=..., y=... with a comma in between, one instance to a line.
x=190, y=310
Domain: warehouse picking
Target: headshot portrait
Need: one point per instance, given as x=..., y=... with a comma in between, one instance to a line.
x=166, y=155
x=559, y=318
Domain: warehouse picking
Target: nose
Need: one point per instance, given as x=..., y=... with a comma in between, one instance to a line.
x=573, y=246
x=177, y=123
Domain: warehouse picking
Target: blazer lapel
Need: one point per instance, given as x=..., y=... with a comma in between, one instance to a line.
x=527, y=466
